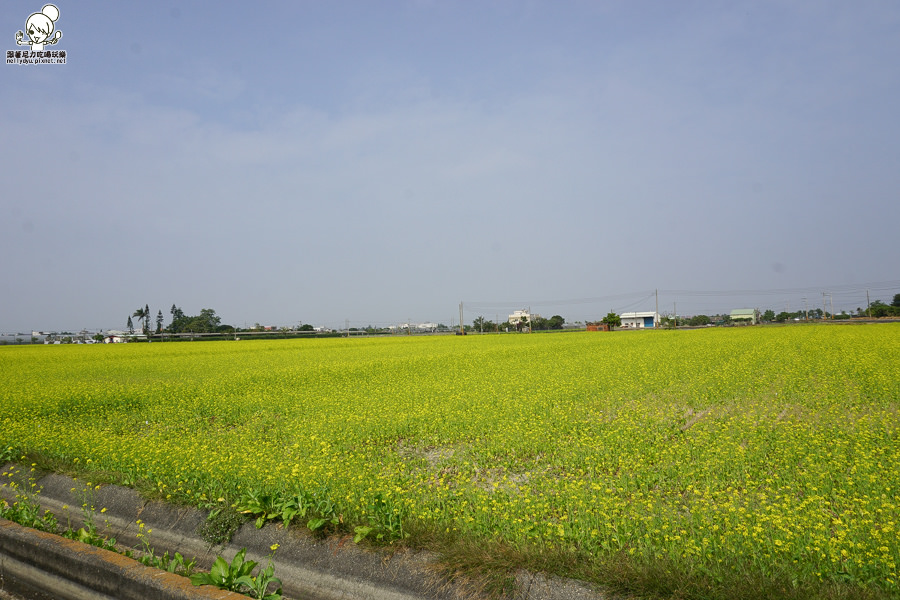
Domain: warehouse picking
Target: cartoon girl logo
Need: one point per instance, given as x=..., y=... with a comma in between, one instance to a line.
x=40, y=29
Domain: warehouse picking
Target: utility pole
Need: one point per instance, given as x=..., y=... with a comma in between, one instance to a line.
x=868, y=306
x=831, y=299
x=656, y=316
x=824, y=314
x=805, y=308
x=461, y=329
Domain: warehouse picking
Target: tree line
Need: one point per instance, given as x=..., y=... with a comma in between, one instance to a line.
x=536, y=324
x=876, y=310
x=206, y=322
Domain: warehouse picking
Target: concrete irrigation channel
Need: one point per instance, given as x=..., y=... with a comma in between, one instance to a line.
x=39, y=566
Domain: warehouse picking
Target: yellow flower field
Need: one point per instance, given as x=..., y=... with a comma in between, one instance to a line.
x=769, y=452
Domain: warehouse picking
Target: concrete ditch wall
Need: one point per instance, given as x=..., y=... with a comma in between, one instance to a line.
x=309, y=567
x=42, y=563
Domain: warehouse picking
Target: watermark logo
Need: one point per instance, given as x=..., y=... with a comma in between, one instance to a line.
x=41, y=32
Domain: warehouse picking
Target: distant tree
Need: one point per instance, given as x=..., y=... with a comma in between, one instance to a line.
x=306, y=327
x=177, y=316
x=782, y=316
x=540, y=323
x=699, y=321
x=159, y=321
x=556, y=322
x=896, y=302
x=142, y=315
x=130, y=325
x=879, y=309
x=768, y=316
x=481, y=324
x=205, y=322
x=612, y=319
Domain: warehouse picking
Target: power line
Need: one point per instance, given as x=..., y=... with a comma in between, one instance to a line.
x=878, y=286
x=520, y=303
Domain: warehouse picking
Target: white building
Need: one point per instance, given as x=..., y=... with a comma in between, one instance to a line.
x=426, y=327
x=640, y=320
x=113, y=336
x=517, y=315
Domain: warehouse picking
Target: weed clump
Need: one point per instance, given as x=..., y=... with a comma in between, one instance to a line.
x=220, y=526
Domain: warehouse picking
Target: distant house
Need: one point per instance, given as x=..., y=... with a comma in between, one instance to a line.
x=518, y=315
x=639, y=320
x=113, y=336
x=425, y=327
x=746, y=314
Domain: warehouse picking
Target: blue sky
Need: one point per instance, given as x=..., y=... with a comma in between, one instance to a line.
x=285, y=162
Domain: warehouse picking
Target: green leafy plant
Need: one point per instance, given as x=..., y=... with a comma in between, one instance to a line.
x=89, y=535
x=224, y=575
x=258, y=586
x=7, y=453
x=261, y=504
x=328, y=514
x=237, y=576
x=266, y=506
x=298, y=505
x=175, y=564
x=385, y=522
